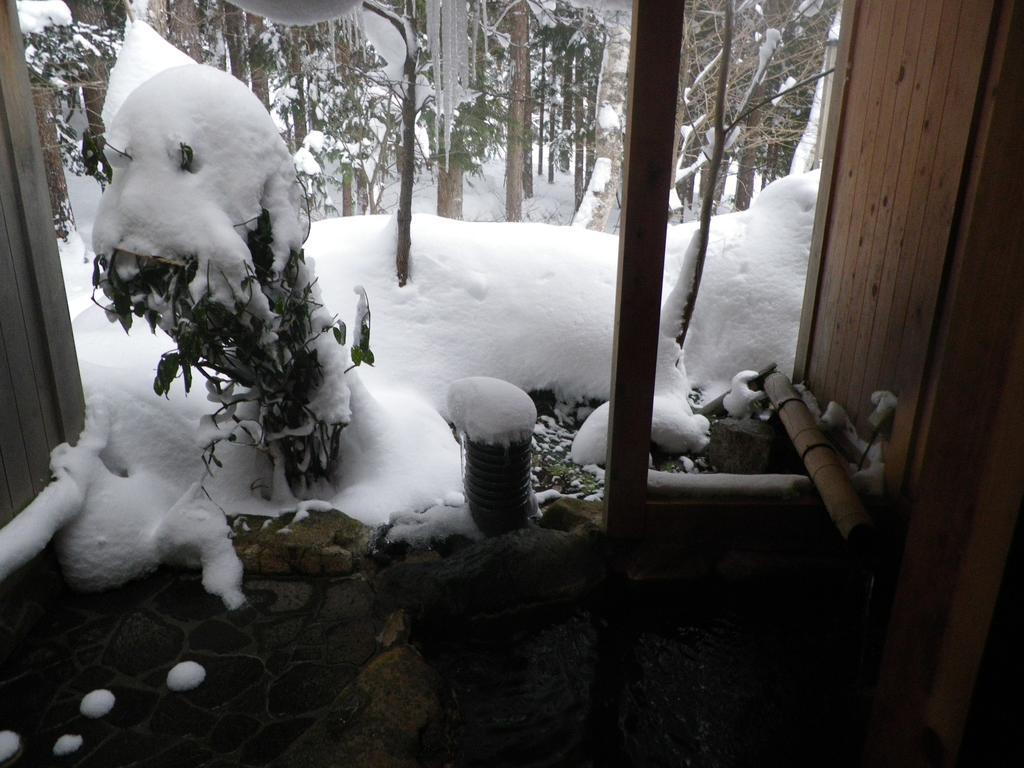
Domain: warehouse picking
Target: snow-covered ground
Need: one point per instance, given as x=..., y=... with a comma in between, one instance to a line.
x=529, y=303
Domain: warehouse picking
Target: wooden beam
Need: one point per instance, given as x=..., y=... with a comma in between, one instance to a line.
x=650, y=127
x=968, y=466
x=819, y=236
x=40, y=389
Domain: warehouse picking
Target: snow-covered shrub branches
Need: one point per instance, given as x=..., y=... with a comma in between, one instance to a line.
x=179, y=245
x=263, y=371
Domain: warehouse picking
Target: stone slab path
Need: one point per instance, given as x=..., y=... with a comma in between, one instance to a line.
x=272, y=668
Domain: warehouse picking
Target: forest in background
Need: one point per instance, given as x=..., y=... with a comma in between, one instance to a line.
x=544, y=91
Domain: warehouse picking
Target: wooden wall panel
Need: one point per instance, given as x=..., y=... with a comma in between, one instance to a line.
x=40, y=390
x=910, y=97
x=967, y=469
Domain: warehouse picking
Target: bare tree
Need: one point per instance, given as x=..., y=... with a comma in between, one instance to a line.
x=235, y=39
x=519, y=42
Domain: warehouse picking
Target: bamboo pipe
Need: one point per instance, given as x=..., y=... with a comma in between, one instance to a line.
x=825, y=467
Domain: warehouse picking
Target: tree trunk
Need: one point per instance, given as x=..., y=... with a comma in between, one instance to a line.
x=156, y=16
x=257, y=59
x=603, y=189
x=362, y=192
x=745, y=177
x=449, y=190
x=566, y=121
x=579, y=141
x=528, y=149
x=234, y=37
x=298, y=106
x=347, y=209
x=183, y=28
x=519, y=21
x=45, y=103
x=406, y=167
x=94, y=90
x=552, y=128
x=748, y=154
x=540, y=111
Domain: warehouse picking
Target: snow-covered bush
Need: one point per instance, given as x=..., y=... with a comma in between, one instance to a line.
x=199, y=235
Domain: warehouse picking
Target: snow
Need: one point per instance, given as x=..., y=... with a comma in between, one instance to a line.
x=748, y=311
x=531, y=304
x=437, y=523
x=185, y=676
x=608, y=119
x=97, y=704
x=67, y=744
x=143, y=54
x=739, y=403
x=305, y=162
x=491, y=411
x=10, y=743
x=389, y=44
x=72, y=469
x=240, y=163
x=35, y=16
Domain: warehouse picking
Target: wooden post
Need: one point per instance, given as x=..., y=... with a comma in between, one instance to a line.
x=650, y=125
x=40, y=390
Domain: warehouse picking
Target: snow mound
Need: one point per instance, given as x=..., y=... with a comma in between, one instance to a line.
x=748, y=311
x=185, y=676
x=739, y=403
x=239, y=164
x=35, y=16
x=97, y=704
x=491, y=411
x=531, y=304
x=143, y=54
x=67, y=744
x=398, y=455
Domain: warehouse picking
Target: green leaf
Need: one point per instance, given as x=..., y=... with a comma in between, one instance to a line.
x=340, y=332
x=166, y=371
x=187, y=156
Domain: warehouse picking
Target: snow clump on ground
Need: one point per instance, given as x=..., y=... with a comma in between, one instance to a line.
x=67, y=744
x=10, y=743
x=97, y=704
x=186, y=676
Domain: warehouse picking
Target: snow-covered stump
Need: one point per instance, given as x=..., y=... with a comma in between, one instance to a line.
x=495, y=421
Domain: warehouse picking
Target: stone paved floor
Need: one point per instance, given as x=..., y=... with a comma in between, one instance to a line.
x=272, y=668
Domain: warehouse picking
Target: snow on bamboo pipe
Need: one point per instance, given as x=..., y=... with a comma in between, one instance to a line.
x=824, y=465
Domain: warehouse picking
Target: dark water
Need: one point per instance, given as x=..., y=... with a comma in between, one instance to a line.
x=722, y=675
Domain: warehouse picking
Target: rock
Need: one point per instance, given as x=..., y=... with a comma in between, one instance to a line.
x=569, y=514
x=530, y=567
x=325, y=543
x=141, y=642
x=396, y=629
x=306, y=687
x=741, y=446
x=346, y=599
x=391, y=715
